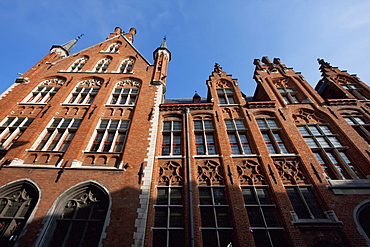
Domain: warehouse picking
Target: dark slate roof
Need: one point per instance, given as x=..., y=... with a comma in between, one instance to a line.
x=182, y=101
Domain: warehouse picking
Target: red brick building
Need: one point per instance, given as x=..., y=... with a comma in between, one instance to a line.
x=92, y=154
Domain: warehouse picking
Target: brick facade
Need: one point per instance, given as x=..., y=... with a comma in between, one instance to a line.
x=288, y=166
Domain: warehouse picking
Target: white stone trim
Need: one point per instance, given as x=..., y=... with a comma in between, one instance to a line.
x=140, y=222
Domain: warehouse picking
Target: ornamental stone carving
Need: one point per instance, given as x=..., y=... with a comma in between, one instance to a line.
x=289, y=171
x=306, y=117
x=223, y=84
x=56, y=81
x=170, y=174
x=249, y=172
x=283, y=82
x=130, y=82
x=91, y=82
x=209, y=173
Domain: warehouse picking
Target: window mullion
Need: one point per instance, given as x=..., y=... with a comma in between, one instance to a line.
x=105, y=136
x=304, y=202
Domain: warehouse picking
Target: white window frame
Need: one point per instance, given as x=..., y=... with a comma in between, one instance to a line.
x=114, y=48
x=78, y=64
x=226, y=96
x=271, y=134
x=328, y=151
x=42, y=94
x=175, y=137
x=237, y=128
x=127, y=94
x=107, y=133
x=102, y=65
x=204, y=136
x=126, y=67
x=59, y=132
x=11, y=129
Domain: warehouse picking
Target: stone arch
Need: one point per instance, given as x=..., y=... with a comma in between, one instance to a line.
x=361, y=215
x=20, y=198
x=83, y=197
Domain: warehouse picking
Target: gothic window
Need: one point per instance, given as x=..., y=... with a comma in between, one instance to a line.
x=289, y=95
x=11, y=129
x=204, y=136
x=329, y=151
x=359, y=124
x=355, y=90
x=16, y=205
x=216, y=226
x=83, y=95
x=362, y=216
x=265, y=226
x=79, y=218
x=168, y=227
x=171, y=144
x=42, y=94
x=271, y=135
x=237, y=136
x=124, y=96
x=110, y=135
x=78, y=64
x=102, y=65
x=113, y=48
x=127, y=65
x=59, y=134
x=225, y=96
x=304, y=202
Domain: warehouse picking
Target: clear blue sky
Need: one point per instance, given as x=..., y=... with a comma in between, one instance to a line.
x=199, y=33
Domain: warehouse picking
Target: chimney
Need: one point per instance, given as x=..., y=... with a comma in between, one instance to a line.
x=130, y=35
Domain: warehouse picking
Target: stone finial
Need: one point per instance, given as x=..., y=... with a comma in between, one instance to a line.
x=218, y=68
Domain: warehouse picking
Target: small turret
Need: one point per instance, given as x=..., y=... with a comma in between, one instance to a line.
x=65, y=49
x=161, y=58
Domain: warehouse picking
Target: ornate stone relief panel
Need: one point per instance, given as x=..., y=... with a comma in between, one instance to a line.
x=170, y=173
x=209, y=173
x=306, y=117
x=289, y=171
x=249, y=172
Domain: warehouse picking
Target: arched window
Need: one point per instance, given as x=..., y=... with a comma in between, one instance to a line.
x=362, y=216
x=85, y=92
x=127, y=65
x=125, y=93
x=102, y=65
x=17, y=202
x=78, y=64
x=45, y=91
x=78, y=218
x=113, y=48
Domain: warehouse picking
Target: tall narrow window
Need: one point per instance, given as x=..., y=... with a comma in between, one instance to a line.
x=79, y=218
x=110, y=135
x=204, y=139
x=329, y=152
x=225, y=95
x=78, y=64
x=359, y=124
x=102, y=65
x=304, y=202
x=83, y=95
x=216, y=227
x=168, y=227
x=16, y=205
x=124, y=96
x=265, y=226
x=127, y=65
x=289, y=95
x=271, y=135
x=59, y=134
x=237, y=136
x=171, y=144
x=11, y=129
